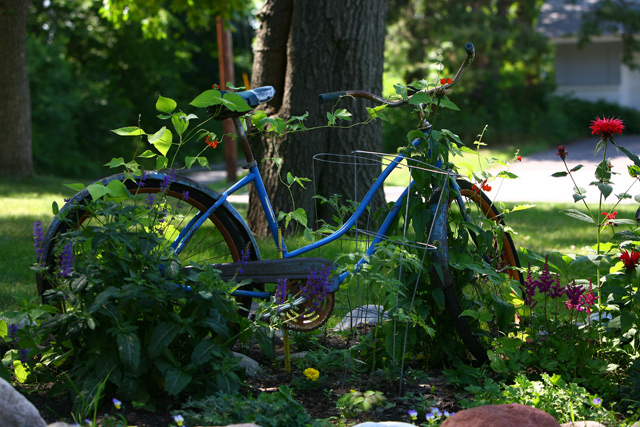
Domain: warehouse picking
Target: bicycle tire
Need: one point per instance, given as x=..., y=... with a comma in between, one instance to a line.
x=223, y=229
x=480, y=309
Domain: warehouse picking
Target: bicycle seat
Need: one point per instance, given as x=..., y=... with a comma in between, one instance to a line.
x=253, y=97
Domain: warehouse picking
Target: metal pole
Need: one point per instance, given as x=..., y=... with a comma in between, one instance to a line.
x=225, y=55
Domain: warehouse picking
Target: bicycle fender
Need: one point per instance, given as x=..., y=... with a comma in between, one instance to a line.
x=83, y=194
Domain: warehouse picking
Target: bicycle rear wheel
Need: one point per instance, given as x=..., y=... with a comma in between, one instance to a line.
x=482, y=289
x=222, y=238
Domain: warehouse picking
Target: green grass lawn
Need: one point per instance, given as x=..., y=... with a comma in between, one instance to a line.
x=542, y=228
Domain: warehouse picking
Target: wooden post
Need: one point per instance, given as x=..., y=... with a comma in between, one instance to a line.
x=225, y=59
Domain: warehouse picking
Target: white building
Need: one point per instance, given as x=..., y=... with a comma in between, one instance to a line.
x=595, y=70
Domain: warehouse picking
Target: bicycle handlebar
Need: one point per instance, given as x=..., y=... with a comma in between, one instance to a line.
x=333, y=96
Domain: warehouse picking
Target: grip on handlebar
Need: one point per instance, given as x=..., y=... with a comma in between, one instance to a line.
x=331, y=96
x=468, y=47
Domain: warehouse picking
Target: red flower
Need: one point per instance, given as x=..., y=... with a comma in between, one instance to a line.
x=519, y=158
x=215, y=86
x=445, y=81
x=483, y=185
x=609, y=216
x=562, y=151
x=606, y=127
x=630, y=259
x=211, y=142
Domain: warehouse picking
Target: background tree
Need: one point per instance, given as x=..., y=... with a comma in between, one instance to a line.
x=15, y=112
x=305, y=48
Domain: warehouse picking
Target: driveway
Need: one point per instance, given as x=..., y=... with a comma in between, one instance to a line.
x=534, y=182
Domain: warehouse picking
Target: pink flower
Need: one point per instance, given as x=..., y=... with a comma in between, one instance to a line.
x=606, y=127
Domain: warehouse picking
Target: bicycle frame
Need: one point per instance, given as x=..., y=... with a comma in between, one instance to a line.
x=254, y=177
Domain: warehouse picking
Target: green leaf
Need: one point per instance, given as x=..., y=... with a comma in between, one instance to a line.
x=300, y=216
x=162, y=140
x=577, y=197
x=343, y=114
x=605, y=189
x=207, y=98
x=576, y=168
x=163, y=335
x=445, y=102
x=165, y=105
x=235, y=102
x=635, y=159
x=559, y=174
x=54, y=208
x=189, y=161
x=129, y=131
x=415, y=134
x=506, y=174
x=75, y=187
x=161, y=162
x=579, y=215
x=116, y=162
x=420, y=98
x=175, y=381
x=203, y=161
x=377, y=112
x=148, y=154
x=118, y=191
x=470, y=313
x=97, y=191
x=180, y=122
x=204, y=352
x=331, y=118
x=129, y=350
x=634, y=171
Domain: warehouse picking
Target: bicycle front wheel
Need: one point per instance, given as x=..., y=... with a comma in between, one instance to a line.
x=483, y=290
x=223, y=237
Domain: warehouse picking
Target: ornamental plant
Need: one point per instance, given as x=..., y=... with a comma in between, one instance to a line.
x=125, y=308
x=587, y=326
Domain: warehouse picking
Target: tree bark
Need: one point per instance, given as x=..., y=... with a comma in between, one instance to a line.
x=15, y=105
x=303, y=49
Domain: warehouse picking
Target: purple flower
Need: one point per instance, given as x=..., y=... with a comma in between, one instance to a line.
x=151, y=198
x=186, y=195
x=317, y=286
x=13, y=331
x=38, y=238
x=167, y=180
x=596, y=401
x=24, y=355
x=529, y=290
x=244, y=256
x=413, y=414
x=545, y=279
x=574, y=293
x=281, y=291
x=66, y=260
x=144, y=177
x=556, y=290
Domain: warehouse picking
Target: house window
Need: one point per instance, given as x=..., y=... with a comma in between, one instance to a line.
x=595, y=64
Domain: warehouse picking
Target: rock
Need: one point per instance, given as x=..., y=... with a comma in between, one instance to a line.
x=251, y=367
x=506, y=415
x=582, y=424
x=368, y=314
x=60, y=424
x=16, y=410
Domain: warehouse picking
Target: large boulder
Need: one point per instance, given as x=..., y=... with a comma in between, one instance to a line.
x=506, y=415
x=16, y=410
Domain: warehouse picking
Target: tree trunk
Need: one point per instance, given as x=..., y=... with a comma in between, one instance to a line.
x=15, y=106
x=305, y=48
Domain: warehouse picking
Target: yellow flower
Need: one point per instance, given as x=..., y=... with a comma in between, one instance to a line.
x=311, y=374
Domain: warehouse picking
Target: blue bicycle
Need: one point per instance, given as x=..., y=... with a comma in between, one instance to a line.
x=203, y=227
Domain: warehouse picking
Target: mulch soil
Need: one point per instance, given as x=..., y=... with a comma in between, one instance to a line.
x=319, y=402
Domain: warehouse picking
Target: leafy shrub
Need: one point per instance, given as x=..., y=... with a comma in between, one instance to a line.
x=129, y=312
x=268, y=410
x=566, y=402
